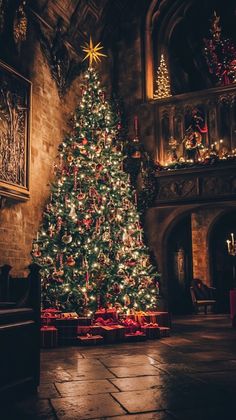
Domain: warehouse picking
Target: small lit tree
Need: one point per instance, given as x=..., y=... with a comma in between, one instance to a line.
x=162, y=81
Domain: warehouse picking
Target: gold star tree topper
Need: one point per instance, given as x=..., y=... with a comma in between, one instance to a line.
x=93, y=52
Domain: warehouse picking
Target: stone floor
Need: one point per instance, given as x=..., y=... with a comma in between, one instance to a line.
x=188, y=376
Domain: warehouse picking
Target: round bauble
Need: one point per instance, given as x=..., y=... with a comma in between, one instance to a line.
x=116, y=288
x=130, y=263
x=84, y=141
x=81, y=196
x=99, y=167
x=70, y=262
x=48, y=260
x=37, y=254
x=70, y=157
x=57, y=274
x=67, y=239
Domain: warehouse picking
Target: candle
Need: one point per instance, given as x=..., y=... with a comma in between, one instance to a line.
x=136, y=125
x=37, y=237
x=228, y=242
x=232, y=236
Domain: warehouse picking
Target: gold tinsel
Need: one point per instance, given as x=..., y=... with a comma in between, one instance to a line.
x=20, y=24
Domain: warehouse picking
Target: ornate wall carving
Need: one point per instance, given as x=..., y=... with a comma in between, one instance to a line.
x=14, y=133
x=203, y=185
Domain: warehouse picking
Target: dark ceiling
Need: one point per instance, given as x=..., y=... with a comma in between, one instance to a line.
x=82, y=18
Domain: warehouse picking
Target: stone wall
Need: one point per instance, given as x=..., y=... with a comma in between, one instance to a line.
x=201, y=221
x=19, y=221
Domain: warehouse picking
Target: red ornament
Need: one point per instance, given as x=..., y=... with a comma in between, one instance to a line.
x=70, y=261
x=84, y=141
x=81, y=196
x=99, y=167
x=131, y=263
x=116, y=288
x=87, y=223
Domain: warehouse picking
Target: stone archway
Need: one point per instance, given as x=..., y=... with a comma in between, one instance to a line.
x=178, y=265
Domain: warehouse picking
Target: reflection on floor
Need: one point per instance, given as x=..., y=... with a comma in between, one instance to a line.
x=188, y=376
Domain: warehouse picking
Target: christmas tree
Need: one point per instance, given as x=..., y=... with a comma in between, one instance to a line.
x=90, y=244
x=220, y=54
x=163, y=82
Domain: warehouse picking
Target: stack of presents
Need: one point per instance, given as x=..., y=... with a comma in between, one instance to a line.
x=107, y=326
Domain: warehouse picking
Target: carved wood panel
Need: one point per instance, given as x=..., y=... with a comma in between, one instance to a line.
x=15, y=95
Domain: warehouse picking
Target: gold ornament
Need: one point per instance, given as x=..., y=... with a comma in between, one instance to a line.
x=67, y=239
x=20, y=24
x=70, y=157
x=93, y=52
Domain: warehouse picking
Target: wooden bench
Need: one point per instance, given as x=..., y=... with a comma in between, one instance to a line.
x=19, y=335
x=203, y=302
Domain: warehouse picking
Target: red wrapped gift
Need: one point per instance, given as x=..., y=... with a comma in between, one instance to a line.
x=106, y=313
x=163, y=332
x=90, y=339
x=137, y=336
x=48, y=316
x=151, y=330
x=108, y=321
x=109, y=334
x=130, y=325
x=48, y=337
x=120, y=332
x=67, y=330
x=84, y=321
x=92, y=330
x=161, y=318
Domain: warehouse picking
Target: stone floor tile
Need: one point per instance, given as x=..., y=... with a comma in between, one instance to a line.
x=85, y=388
x=94, y=372
x=208, y=413
x=47, y=390
x=158, y=415
x=135, y=370
x=86, y=407
x=150, y=400
x=127, y=360
x=141, y=382
x=210, y=356
x=48, y=376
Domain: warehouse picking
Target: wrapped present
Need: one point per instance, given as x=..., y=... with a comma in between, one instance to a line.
x=108, y=321
x=48, y=337
x=137, y=336
x=130, y=325
x=50, y=311
x=89, y=340
x=120, y=332
x=140, y=317
x=151, y=330
x=48, y=316
x=163, y=332
x=92, y=330
x=106, y=314
x=69, y=315
x=109, y=334
x=67, y=330
x=160, y=318
x=84, y=321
